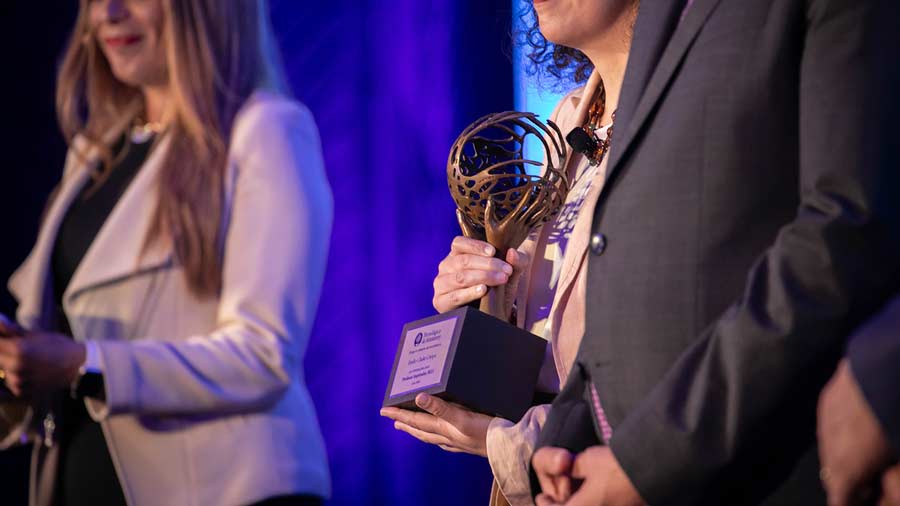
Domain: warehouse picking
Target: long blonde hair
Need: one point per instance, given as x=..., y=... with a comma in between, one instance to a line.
x=217, y=53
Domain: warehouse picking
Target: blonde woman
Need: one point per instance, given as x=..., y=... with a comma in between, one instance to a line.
x=580, y=42
x=165, y=308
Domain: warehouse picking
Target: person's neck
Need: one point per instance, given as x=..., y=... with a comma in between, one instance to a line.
x=156, y=100
x=609, y=61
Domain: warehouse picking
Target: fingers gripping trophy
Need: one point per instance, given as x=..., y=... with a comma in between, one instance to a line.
x=497, y=199
x=477, y=358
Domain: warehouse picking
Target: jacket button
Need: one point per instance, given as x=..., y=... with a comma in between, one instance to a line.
x=598, y=243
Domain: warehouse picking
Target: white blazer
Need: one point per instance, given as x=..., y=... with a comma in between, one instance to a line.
x=206, y=402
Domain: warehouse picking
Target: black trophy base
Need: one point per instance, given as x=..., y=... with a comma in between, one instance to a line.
x=468, y=357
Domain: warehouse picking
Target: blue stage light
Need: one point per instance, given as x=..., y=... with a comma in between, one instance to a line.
x=529, y=94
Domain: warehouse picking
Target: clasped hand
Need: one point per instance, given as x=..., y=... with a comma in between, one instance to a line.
x=856, y=458
x=592, y=478
x=32, y=362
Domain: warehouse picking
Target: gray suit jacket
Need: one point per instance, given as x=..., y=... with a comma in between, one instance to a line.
x=745, y=230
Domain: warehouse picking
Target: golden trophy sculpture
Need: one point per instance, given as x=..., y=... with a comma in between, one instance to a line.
x=497, y=200
x=477, y=358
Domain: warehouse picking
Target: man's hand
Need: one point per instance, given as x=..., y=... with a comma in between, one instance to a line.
x=853, y=449
x=890, y=487
x=553, y=467
x=447, y=425
x=602, y=480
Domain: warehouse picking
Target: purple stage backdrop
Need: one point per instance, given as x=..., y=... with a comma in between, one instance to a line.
x=390, y=83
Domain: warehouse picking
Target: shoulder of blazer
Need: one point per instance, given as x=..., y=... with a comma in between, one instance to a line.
x=567, y=106
x=275, y=138
x=268, y=117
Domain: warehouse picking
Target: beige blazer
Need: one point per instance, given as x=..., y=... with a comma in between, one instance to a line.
x=206, y=403
x=510, y=445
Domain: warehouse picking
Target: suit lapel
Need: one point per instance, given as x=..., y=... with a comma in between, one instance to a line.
x=660, y=43
x=652, y=32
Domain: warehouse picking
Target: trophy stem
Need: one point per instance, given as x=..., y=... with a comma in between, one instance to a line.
x=493, y=303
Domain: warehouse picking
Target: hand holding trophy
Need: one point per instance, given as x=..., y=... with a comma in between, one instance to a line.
x=476, y=358
x=497, y=200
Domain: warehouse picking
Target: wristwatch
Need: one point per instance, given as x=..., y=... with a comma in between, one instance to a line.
x=89, y=382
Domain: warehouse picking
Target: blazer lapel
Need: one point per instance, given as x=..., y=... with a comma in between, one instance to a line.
x=574, y=164
x=30, y=283
x=118, y=249
x=652, y=63
x=652, y=32
x=570, y=166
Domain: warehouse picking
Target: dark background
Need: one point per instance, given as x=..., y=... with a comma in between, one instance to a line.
x=390, y=83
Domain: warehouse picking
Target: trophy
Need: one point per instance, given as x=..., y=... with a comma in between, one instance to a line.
x=476, y=357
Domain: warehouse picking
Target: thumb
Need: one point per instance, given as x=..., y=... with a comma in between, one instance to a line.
x=552, y=466
x=519, y=260
x=553, y=461
x=438, y=407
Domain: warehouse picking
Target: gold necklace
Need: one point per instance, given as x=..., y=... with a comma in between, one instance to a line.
x=143, y=131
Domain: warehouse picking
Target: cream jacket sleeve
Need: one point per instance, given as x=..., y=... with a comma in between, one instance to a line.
x=509, y=448
x=510, y=445
x=276, y=244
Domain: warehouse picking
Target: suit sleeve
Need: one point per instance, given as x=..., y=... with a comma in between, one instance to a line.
x=874, y=354
x=758, y=369
x=276, y=245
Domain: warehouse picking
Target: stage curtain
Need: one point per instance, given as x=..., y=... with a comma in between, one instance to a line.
x=391, y=84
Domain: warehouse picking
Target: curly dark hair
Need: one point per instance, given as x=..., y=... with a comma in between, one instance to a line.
x=563, y=65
